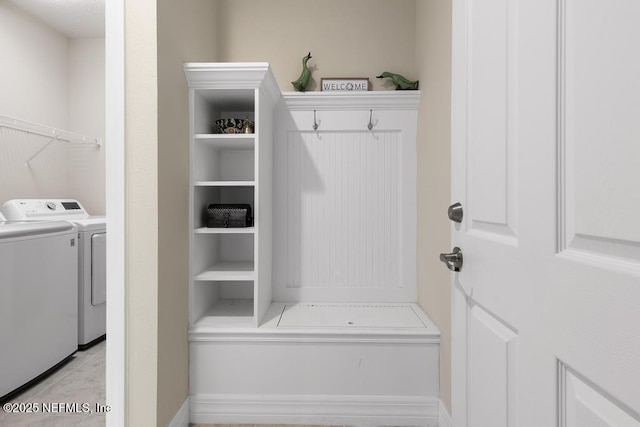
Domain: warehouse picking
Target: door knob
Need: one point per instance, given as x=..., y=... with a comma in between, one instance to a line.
x=453, y=261
x=455, y=212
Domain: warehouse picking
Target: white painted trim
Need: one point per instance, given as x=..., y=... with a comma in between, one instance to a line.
x=305, y=410
x=375, y=100
x=115, y=207
x=304, y=337
x=233, y=75
x=269, y=331
x=444, y=419
x=459, y=91
x=181, y=418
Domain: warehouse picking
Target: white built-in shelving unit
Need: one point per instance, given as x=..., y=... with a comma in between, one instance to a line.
x=331, y=178
x=230, y=267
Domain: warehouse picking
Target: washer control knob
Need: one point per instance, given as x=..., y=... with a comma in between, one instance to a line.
x=51, y=206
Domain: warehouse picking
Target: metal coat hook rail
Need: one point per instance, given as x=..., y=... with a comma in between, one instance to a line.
x=54, y=134
x=316, y=124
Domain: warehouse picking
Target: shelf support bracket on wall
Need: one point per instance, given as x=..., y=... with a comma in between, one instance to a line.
x=46, y=131
x=26, y=162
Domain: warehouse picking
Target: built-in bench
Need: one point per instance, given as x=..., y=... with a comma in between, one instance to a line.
x=325, y=363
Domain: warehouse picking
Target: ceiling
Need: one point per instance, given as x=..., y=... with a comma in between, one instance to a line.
x=73, y=18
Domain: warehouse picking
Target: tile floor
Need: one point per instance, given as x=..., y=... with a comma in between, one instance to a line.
x=81, y=380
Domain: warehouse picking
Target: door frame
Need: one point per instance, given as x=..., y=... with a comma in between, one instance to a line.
x=458, y=125
x=115, y=210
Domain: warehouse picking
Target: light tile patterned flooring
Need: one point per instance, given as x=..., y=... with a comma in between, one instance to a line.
x=80, y=380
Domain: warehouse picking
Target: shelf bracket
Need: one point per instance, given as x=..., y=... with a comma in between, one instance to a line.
x=47, y=132
x=34, y=155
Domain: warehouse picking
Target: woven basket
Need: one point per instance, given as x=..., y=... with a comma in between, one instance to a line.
x=228, y=216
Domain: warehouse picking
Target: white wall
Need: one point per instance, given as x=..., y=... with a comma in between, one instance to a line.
x=433, y=43
x=160, y=36
x=141, y=217
x=33, y=76
x=48, y=79
x=355, y=38
x=185, y=34
x=34, y=87
x=87, y=116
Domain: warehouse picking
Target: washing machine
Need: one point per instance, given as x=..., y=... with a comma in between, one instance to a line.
x=92, y=273
x=38, y=299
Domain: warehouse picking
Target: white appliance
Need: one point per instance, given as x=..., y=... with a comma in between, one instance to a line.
x=38, y=294
x=92, y=273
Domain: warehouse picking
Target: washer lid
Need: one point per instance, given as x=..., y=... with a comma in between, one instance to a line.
x=11, y=229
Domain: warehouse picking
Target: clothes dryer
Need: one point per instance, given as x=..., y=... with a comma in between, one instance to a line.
x=38, y=294
x=92, y=237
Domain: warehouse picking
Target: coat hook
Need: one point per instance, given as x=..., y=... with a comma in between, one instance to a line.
x=315, y=122
x=370, y=125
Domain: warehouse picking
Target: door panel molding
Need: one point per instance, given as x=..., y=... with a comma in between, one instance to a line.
x=596, y=118
x=491, y=137
x=492, y=359
x=584, y=404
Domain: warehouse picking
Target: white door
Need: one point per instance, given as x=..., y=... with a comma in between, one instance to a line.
x=546, y=163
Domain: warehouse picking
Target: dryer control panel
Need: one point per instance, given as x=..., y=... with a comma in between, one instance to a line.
x=24, y=209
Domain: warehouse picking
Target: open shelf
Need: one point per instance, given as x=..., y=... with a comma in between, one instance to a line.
x=226, y=313
x=206, y=193
x=226, y=141
x=222, y=164
x=229, y=271
x=235, y=230
x=224, y=183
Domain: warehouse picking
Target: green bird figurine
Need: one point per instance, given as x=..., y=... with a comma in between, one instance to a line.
x=401, y=82
x=303, y=80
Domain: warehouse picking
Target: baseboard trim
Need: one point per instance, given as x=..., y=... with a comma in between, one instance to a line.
x=306, y=410
x=181, y=418
x=444, y=419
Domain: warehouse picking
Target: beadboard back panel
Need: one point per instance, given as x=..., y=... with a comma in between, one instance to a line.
x=343, y=209
x=345, y=204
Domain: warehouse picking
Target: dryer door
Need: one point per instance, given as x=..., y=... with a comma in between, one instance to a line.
x=98, y=268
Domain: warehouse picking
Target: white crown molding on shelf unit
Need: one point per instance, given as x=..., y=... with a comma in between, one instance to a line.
x=253, y=75
x=374, y=100
x=233, y=75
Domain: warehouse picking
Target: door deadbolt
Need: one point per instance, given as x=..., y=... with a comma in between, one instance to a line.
x=455, y=212
x=453, y=261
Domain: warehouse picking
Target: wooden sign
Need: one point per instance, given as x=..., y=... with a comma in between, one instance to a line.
x=347, y=84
